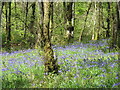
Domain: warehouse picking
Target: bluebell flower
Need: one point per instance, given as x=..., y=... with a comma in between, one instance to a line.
x=5, y=69
x=75, y=76
x=18, y=72
x=102, y=75
x=104, y=70
x=112, y=65
x=72, y=66
x=80, y=67
x=116, y=77
x=84, y=78
x=116, y=84
x=103, y=85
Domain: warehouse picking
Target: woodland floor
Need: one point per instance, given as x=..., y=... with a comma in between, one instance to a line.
x=88, y=65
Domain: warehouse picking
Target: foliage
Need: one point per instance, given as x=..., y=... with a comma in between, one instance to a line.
x=81, y=66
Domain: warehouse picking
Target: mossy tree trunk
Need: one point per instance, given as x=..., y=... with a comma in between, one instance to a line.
x=50, y=63
x=40, y=39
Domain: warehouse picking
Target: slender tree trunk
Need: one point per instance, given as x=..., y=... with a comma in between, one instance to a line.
x=102, y=16
x=69, y=16
x=32, y=18
x=6, y=17
x=15, y=15
x=118, y=38
x=64, y=11
x=65, y=18
x=40, y=38
x=8, y=27
x=26, y=14
x=108, y=21
x=99, y=21
x=94, y=18
x=81, y=34
x=118, y=25
x=1, y=8
x=114, y=26
x=51, y=19
x=31, y=25
x=50, y=63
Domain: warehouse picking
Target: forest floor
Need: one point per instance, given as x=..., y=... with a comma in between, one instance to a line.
x=88, y=65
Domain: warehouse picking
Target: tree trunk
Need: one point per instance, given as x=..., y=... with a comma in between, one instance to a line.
x=81, y=34
x=32, y=19
x=50, y=63
x=94, y=19
x=15, y=14
x=118, y=25
x=51, y=19
x=26, y=14
x=108, y=21
x=114, y=26
x=65, y=18
x=118, y=37
x=31, y=25
x=69, y=16
x=40, y=38
x=102, y=15
x=8, y=26
x=1, y=8
x=99, y=21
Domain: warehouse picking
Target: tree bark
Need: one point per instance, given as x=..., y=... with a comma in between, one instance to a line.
x=69, y=16
x=114, y=25
x=118, y=25
x=99, y=21
x=31, y=25
x=118, y=37
x=1, y=8
x=108, y=21
x=81, y=34
x=40, y=38
x=26, y=14
x=51, y=19
x=50, y=63
x=8, y=26
x=94, y=19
